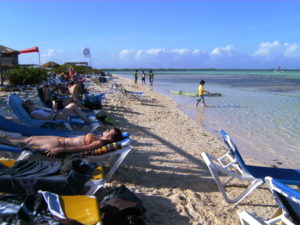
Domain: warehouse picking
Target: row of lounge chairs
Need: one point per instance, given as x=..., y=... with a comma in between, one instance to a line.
x=16, y=105
x=86, y=209
x=232, y=166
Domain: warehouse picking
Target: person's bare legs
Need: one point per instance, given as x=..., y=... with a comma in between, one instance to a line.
x=7, y=140
x=66, y=112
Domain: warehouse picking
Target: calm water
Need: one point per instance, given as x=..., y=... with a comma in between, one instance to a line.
x=259, y=109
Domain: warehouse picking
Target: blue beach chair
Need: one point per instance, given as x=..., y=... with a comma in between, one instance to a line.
x=288, y=200
x=16, y=105
x=233, y=166
x=10, y=126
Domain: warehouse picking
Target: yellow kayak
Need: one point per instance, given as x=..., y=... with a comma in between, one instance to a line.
x=211, y=94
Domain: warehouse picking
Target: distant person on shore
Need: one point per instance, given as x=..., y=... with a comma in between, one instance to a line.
x=135, y=74
x=200, y=93
x=143, y=78
x=151, y=77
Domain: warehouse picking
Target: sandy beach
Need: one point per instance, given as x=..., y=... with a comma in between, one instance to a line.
x=165, y=167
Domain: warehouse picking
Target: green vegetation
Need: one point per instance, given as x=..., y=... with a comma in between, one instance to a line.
x=78, y=69
x=25, y=76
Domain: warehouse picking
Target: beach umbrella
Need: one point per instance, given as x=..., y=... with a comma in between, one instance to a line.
x=50, y=65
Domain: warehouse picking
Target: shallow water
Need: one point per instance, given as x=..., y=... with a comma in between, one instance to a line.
x=259, y=109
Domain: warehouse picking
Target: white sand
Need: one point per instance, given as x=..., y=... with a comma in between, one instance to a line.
x=165, y=166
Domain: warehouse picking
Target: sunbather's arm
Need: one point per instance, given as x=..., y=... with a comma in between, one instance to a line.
x=86, y=148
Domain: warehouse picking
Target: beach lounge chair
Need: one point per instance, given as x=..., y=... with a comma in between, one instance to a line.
x=28, y=177
x=49, y=208
x=288, y=200
x=81, y=208
x=233, y=166
x=135, y=95
x=16, y=105
x=10, y=126
x=70, y=184
x=46, y=105
x=113, y=158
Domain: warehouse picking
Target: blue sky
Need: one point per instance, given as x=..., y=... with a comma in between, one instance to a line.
x=157, y=33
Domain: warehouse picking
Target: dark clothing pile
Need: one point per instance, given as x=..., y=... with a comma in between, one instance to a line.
x=27, y=177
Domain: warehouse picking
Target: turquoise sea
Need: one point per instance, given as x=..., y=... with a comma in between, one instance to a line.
x=260, y=109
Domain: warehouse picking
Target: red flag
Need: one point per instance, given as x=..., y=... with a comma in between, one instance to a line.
x=28, y=50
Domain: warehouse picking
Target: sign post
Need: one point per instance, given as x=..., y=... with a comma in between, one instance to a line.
x=87, y=53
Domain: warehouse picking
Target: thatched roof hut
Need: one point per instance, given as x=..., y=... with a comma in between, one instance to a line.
x=8, y=57
x=50, y=65
x=5, y=51
x=8, y=60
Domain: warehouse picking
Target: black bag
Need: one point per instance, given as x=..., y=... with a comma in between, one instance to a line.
x=122, y=207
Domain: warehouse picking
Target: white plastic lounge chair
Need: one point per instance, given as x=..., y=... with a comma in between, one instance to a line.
x=113, y=158
x=232, y=166
x=135, y=95
x=288, y=200
x=16, y=105
x=99, y=179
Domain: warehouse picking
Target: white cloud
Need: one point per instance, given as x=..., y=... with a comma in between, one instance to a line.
x=291, y=50
x=267, y=55
x=51, y=53
x=223, y=51
x=180, y=51
x=272, y=53
x=268, y=49
x=197, y=51
x=155, y=51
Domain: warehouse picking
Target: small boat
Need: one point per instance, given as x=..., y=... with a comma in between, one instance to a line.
x=208, y=94
x=279, y=69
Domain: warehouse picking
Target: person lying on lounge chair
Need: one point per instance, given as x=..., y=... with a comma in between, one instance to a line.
x=54, y=145
x=72, y=95
x=64, y=114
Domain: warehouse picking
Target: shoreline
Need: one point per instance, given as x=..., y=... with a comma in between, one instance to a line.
x=165, y=168
x=267, y=155
x=249, y=152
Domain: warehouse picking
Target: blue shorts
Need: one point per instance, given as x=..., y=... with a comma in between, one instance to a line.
x=200, y=98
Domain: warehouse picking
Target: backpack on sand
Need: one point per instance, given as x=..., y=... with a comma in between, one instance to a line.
x=122, y=207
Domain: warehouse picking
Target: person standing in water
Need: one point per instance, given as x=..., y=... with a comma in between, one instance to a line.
x=151, y=77
x=135, y=74
x=143, y=78
x=200, y=93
